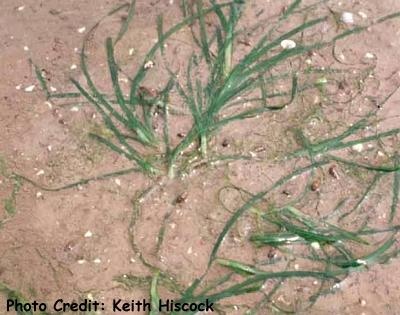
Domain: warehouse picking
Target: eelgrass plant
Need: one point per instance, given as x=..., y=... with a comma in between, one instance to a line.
x=328, y=254
x=212, y=102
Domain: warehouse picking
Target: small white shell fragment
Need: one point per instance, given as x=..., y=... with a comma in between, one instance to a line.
x=322, y=81
x=41, y=172
x=347, y=18
x=361, y=262
x=26, y=48
x=20, y=8
x=53, y=89
x=30, y=88
x=132, y=260
x=39, y=194
x=131, y=51
x=315, y=245
x=73, y=67
x=369, y=55
x=49, y=148
x=88, y=234
x=363, y=15
x=296, y=267
x=49, y=104
x=76, y=49
x=81, y=29
x=81, y=261
x=149, y=64
x=18, y=87
x=74, y=109
x=118, y=182
x=363, y=302
x=358, y=147
x=336, y=286
x=97, y=261
x=288, y=44
x=190, y=250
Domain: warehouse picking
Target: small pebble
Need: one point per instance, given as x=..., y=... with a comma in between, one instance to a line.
x=363, y=302
x=73, y=67
x=333, y=172
x=74, y=109
x=18, y=87
x=225, y=143
x=81, y=261
x=81, y=29
x=131, y=51
x=118, y=181
x=316, y=184
x=181, y=198
x=88, y=234
x=21, y=8
x=26, y=48
x=97, y=261
x=39, y=194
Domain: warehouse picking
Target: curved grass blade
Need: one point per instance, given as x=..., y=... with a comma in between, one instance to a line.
x=132, y=123
x=125, y=24
x=79, y=182
x=396, y=191
x=238, y=267
x=252, y=201
x=154, y=297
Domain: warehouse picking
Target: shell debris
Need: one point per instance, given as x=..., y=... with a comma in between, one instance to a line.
x=149, y=64
x=288, y=44
x=358, y=147
x=347, y=18
x=30, y=88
